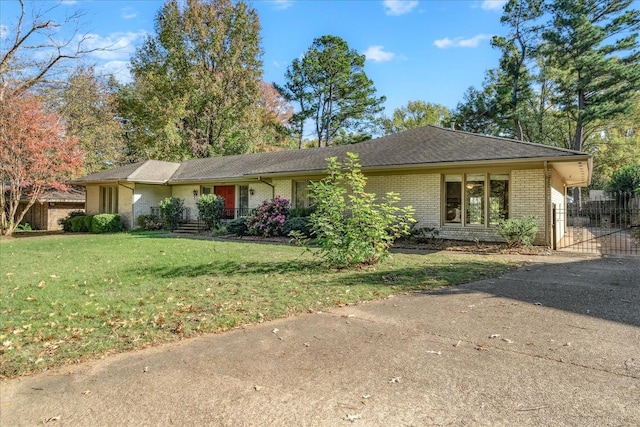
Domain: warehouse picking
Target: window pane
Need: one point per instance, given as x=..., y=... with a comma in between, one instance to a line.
x=301, y=194
x=498, y=197
x=243, y=200
x=474, y=199
x=453, y=194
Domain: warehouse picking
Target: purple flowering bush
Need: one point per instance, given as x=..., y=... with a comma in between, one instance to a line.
x=267, y=220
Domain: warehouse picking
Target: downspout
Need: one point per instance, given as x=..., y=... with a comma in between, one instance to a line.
x=547, y=196
x=273, y=187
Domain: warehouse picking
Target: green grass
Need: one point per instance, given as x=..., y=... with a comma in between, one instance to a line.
x=67, y=298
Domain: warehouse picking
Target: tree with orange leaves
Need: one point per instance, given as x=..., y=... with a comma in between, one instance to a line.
x=35, y=155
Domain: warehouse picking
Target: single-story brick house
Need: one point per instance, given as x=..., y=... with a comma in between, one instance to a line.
x=458, y=182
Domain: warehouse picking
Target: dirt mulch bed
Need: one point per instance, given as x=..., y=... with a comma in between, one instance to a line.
x=432, y=245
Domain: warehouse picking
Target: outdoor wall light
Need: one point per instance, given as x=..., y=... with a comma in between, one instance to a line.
x=252, y=191
x=195, y=194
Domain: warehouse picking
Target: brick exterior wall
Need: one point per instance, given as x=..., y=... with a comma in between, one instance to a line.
x=92, y=206
x=125, y=205
x=421, y=191
x=146, y=197
x=528, y=198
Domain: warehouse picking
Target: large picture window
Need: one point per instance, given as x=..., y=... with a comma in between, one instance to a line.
x=109, y=200
x=300, y=194
x=478, y=199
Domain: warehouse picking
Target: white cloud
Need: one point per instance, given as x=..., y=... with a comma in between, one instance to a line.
x=119, y=69
x=115, y=46
x=128, y=13
x=377, y=54
x=493, y=4
x=283, y=4
x=4, y=32
x=399, y=7
x=461, y=42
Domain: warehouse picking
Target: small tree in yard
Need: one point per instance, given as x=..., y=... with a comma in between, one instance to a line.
x=210, y=208
x=171, y=210
x=35, y=155
x=351, y=226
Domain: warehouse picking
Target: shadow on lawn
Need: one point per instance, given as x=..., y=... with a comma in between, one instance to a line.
x=418, y=277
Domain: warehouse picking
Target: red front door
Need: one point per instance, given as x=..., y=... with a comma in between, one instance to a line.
x=228, y=193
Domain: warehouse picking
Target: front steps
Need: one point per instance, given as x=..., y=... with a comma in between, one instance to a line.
x=190, y=227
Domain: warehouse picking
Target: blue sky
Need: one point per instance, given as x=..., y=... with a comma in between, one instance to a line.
x=430, y=50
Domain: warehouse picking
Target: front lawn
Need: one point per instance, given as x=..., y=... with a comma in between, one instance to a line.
x=68, y=298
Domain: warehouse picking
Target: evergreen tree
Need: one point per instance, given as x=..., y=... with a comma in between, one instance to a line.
x=331, y=88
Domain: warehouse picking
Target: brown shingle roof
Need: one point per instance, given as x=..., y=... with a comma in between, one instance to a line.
x=150, y=171
x=429, y=145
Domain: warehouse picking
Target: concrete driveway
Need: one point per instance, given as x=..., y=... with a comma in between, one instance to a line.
x=554, y=343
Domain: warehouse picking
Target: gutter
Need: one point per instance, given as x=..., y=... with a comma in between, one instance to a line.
x=273, y=187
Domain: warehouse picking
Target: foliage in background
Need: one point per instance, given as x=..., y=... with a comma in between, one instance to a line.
x=35, y=155
x=518, y=232
x=625, y=180
x=331, y=89
x=415, y=114
x=351, y=226
x=210, y=208
x=267, y=220
x=171, y=210
x=196, y=82
x=89, y=110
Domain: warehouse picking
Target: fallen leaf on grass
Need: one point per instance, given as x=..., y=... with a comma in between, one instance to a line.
x=494, y=336
x=275, y=330
x=257, y=387
x=353, y=417
x=394, y=380
x=507, y=340
x=50, y=419
x=86, y=392
x=482, y=346
x=434, y=352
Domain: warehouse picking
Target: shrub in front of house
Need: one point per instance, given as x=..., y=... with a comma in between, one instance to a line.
x=106, y=223
x=267, y=220
x=87, y=222
x=301, y=212
x=518, y=232
x=299, y=224
x=237, y=226
x=78, y=224
x=210, y=208
x=149, y=222
x=171, y=211
x=66, y=221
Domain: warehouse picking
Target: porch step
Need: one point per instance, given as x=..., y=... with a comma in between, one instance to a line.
x=187, y=228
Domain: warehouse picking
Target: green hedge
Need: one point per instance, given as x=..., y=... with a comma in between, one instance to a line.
x=77, y=224
x=106, y=223
x=297, y=223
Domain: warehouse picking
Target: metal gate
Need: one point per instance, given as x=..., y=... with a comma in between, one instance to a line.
x=604, y=225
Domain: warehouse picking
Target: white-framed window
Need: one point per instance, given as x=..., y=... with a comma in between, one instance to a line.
x=109, y=200
x=475, y=199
